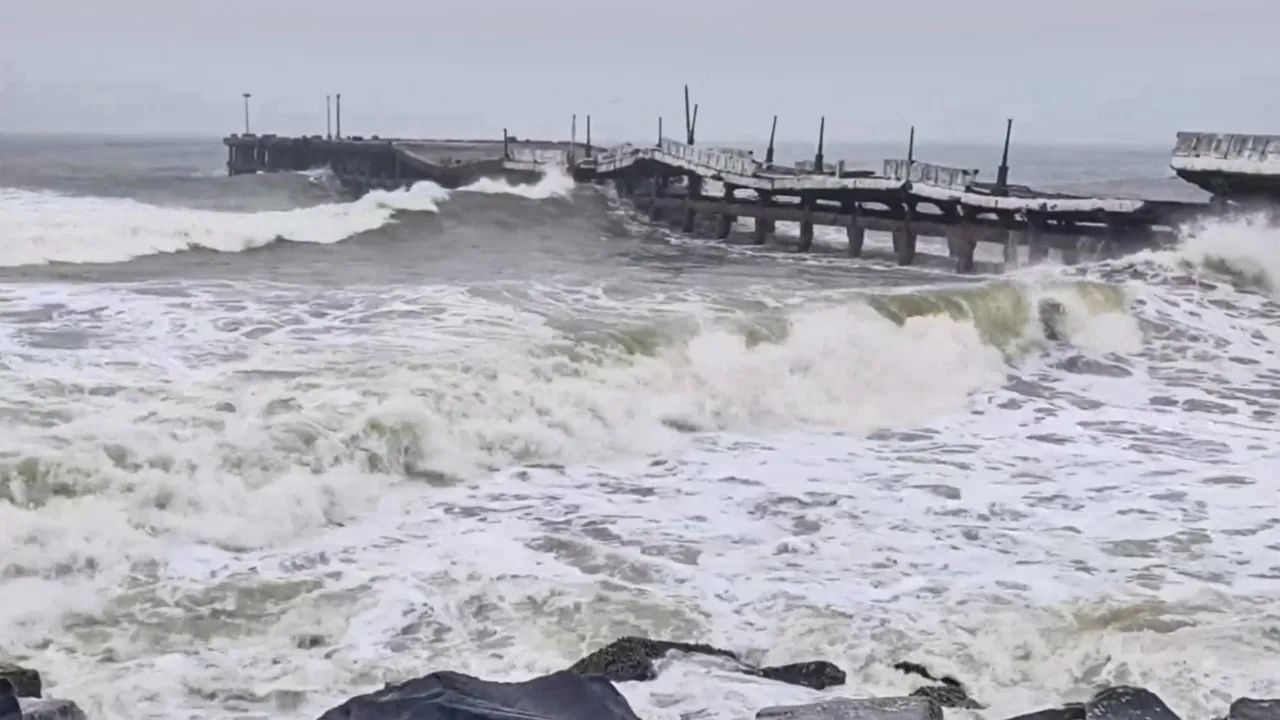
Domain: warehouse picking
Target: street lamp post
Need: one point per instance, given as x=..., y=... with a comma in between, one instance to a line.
x=246, y=113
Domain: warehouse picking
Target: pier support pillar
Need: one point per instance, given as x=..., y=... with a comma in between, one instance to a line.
x=763, y=227
x=904, y=240
x=856, y=233
x=690, y=215
x=725, y=220
x=806, y=224
x=1037, y=250
x=1012, y=239
x=962, y=241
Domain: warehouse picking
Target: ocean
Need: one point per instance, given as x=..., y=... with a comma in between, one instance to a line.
x=264, y=447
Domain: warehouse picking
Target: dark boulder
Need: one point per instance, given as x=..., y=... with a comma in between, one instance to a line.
x=10, y=709
x=454, y=696
x=818, y=674
x=1074, y=711
x=901, y=708
x=631, y=658
x=1250, y=709
x=948, y=693
x=26, y=683
x=1127, y=703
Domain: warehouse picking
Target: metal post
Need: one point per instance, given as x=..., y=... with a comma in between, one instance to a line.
x=588, y=136
x=659, y=131
x=1002, y=175
x=818, y=161
x=506, y=153
x=246, y=113
x=337, y=116
x=328, y=118
x=911, y=150
x=768, y=153
x=573, y=138
x=693, y=126
x=688, y=122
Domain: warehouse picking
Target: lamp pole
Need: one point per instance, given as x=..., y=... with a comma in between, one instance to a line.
x=246, y=113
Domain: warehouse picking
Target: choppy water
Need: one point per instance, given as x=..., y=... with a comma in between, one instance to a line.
x=264, y=448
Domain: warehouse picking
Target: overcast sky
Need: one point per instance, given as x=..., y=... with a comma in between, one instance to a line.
x=1092, y=71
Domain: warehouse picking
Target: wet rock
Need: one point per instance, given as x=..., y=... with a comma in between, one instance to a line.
x=631, y=658
x=1250, y=709
x=26, y=683
x=36, y=709
x=1127, y=703
x=9, y=707
x=817, y=674
x=948, y=693
x=1074, y=711
x=309, y=641
x=900, y=708
x=453, y=696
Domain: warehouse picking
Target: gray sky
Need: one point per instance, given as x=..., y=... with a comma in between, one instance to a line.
x=1091, y=71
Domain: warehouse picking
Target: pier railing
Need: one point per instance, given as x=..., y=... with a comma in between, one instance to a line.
x=929, y=174
x=1227, y=146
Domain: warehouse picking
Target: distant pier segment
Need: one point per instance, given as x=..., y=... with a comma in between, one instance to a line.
x=711, y=189
x=1240, y=168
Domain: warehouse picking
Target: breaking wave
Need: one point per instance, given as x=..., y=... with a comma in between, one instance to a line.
x=46, y=227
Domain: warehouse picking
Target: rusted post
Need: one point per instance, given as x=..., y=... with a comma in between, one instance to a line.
x=768, y=153
x=817, y=158
x=688, y=121
x=1002, y=174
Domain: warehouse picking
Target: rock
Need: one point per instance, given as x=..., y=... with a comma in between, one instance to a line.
x=36, y=709
x=949, y=693
x=453, y=696
x=1127, y=703
x=1250, y=709
x=900, y=708
x=948, y=696
x=25, y=682
x=1074, y=711
x=631, y=658
x=9, y=707
x=818, y=674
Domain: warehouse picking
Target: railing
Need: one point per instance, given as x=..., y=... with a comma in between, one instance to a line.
x=1227, y=146
x=732, y=162
x=540, y=156
x=929, y=174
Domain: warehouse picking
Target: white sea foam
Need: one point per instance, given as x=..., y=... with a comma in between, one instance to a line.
x=46, y=227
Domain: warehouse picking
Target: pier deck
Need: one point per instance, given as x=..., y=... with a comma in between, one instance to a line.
x=680, y=181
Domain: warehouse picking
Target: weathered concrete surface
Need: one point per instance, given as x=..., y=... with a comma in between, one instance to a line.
x=901, y=708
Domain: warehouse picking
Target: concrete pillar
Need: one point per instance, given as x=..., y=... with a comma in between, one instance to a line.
x=962, y=241
x=763, y=227
x=690, y=215
x=856, y=233
x=806, y=224
x=725, y=220
x=1012, y=238
x=1037, y=250
x=655, y=190
x=904, y=240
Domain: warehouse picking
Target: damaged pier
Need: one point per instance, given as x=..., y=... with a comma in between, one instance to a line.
x=696, y=186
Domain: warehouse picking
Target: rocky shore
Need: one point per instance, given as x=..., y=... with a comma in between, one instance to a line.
x=586, y=691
